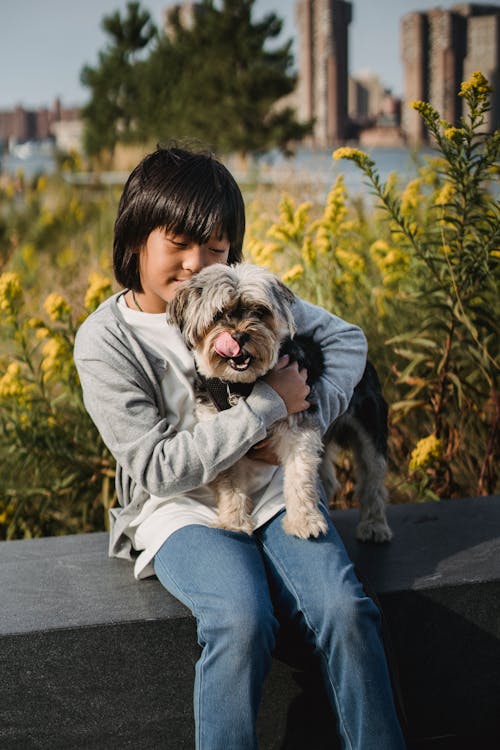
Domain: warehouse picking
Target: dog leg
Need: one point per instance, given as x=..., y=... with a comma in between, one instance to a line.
x=327, y=472
x=234, y=506
x=371, y=492
x=299, y=451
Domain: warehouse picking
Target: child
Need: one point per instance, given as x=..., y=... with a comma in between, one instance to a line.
x=181, y=211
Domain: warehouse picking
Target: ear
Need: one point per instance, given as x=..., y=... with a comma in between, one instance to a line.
x=287, y=295
x=177, y=308
x=284, y=298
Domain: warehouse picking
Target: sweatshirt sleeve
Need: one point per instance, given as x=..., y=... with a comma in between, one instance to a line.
x=344, y=350
x=119, y=394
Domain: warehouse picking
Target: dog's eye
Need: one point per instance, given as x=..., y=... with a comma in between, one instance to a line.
x=218, y=316
x=260, y=312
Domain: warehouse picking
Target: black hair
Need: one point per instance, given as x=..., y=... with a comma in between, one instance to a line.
x=186, y=192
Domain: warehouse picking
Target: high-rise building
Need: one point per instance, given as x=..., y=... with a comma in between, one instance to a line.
x=440, y=49
x=323, y=67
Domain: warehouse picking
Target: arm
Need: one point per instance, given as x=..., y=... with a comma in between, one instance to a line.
x=119, y=395
x=344, y=348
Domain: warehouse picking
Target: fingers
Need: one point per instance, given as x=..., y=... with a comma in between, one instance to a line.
x=282, y=362
x=290, y=383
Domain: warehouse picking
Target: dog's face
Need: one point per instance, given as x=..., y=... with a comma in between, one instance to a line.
x=234, y=318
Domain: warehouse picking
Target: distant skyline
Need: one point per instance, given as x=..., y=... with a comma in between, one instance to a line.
x=45, y=44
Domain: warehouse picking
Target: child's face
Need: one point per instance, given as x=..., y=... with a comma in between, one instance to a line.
x=167, y=259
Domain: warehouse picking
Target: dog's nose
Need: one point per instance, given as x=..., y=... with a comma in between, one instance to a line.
x=241, y=337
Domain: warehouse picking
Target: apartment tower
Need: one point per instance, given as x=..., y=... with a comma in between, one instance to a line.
x=323, y=68
x=440, y=49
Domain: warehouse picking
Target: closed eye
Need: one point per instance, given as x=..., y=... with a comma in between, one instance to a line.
x=260, y=312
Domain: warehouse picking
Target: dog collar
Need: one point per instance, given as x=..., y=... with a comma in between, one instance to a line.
x=220, y=391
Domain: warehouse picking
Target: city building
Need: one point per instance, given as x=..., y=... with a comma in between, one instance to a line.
x=20, y=125
x=440, y=49
x=322, y=91
x=374, y=112
x=366, y=98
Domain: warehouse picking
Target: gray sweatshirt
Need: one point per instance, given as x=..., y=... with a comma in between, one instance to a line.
x=121, y=382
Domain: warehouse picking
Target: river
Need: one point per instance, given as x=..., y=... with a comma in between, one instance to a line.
x=315, y=170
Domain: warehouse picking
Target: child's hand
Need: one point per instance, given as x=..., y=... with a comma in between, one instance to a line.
x=290, y=383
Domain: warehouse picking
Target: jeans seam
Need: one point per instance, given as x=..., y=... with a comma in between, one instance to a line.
x=309, y=625
x=201, y=661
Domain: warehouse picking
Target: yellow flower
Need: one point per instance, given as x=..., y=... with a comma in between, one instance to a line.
x=57, y=357
x=426, y=110
x=454, y=134
x=392, y=262
x=6, y=512
x=445, y=195
x=98, y=289
x=261, y=252
x=354, y=154
x=411, y=196
x=11, y=385
x=335, y=207
x=41, y=333
x=351, y=260
x=477, y=86
x=294, y=274
x=56, y=307
x=292, y=221
x=10, y=293
x=308, y=252
x=426, y=451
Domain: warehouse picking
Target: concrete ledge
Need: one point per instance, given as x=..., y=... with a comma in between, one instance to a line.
x=91, y=659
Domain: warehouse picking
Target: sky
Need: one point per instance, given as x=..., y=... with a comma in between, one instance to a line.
x=44, y=44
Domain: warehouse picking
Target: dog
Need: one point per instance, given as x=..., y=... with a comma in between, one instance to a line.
x=237, y=321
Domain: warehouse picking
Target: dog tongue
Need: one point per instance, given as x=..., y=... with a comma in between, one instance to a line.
x=226, y=346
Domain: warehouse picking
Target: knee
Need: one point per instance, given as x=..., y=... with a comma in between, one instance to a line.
x=354, y=615
x=245, y=627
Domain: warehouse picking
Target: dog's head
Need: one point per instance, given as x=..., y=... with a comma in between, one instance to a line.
x=234, y=319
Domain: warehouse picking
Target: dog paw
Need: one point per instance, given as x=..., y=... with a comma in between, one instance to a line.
x=306, y=526
x=243, y=524
x=373, y=531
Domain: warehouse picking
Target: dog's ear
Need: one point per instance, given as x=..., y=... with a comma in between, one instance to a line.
x=177, y=308
x=283, y=299
x=287, y=295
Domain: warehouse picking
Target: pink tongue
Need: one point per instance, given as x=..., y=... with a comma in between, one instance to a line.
x=226, y=346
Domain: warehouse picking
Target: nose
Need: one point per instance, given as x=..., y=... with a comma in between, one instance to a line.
x=241, y=337
x=194, y=258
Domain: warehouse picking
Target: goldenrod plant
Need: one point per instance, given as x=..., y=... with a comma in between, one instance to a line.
x=56, y=473
x=448, y=227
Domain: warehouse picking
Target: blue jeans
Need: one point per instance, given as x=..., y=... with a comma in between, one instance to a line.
x=234, y=584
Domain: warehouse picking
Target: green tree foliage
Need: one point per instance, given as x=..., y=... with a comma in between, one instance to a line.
x=216, y=79
x=115, y=83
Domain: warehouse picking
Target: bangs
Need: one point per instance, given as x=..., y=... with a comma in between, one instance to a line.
x=199, y=209
x=197, y=198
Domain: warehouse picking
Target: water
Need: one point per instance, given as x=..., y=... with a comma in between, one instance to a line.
x=315, y=171
x=31, y=158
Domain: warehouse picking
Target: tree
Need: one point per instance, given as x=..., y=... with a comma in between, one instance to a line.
x=222, y=79
x=111, y=116
x=218, y=78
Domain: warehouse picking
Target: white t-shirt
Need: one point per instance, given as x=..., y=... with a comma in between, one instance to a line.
x=160, y=517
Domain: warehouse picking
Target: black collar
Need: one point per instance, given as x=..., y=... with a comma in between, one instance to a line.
x=220, y=391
